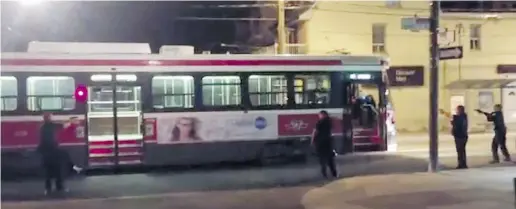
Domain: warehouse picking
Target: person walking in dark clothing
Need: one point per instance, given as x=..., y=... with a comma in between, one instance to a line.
x=322, y=140
x=460, y=134
x=500, y=130
x=69, y=131
x=51, y=154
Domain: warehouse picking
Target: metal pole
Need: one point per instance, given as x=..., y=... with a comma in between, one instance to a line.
x=460, y=44
x=115, y=118
x=434, y=86
x=281, y=27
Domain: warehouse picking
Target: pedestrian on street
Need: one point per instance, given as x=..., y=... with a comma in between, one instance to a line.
x=460, y=134
x=500, y=131
x=323, y=142
x=69, y=131
x=51, y=154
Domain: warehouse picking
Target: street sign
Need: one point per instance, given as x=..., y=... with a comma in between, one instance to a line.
x=449, y=53
x=415, y=23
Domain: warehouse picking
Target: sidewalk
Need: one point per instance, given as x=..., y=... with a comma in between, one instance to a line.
x=485, y=188
x=418, y=137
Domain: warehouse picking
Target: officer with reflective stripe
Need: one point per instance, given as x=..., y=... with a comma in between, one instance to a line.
x=323, y=141
x=500, y=130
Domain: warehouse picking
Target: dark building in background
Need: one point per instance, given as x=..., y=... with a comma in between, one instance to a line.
x=478, y=6
x=216, y=26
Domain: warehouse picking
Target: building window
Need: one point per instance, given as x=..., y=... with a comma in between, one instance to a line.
x=268, y=90
x=172, y=91
x=474, y=37
x=393, y=3
x=312, y=89
x=379, y=38
x=9, y=95
x=50, y=93
x=221, y=90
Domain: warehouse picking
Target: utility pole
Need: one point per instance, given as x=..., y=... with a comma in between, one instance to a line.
x=434, y=86
x=115, y=120
x=281, y=27
x=459, y=28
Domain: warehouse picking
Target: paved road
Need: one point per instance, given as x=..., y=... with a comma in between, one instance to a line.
x=214, y=179
x=241, y=189
x=278, y=198
x=272, y=187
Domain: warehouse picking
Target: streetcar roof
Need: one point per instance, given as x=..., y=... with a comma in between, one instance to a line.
x=164, y=62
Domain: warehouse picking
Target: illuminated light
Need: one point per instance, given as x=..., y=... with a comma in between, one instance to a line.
x=81, y=93
x=130, y=77
x=119, y=77
x=30, y=2
x=491, y=16
x=154, y=62
x=355, y=76
x=101, y=77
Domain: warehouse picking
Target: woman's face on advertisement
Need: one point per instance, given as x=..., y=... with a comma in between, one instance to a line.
x=74, y=121
x=185, y=125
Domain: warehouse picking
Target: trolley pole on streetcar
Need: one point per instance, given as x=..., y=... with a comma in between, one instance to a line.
x=434, y=81
x=281, y=27
x=115, y=116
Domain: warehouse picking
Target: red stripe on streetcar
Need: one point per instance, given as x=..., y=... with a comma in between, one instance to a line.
x=31, y=146
x=99, y=62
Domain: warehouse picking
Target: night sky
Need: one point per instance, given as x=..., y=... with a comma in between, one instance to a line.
x=147, y=22
x=153, y=22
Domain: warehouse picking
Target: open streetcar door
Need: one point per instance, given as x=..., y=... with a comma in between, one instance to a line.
x=114, y=120
x=364, y=119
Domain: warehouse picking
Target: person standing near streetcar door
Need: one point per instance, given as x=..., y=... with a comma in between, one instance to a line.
x=69, y=132
x=51, y=154
x=500, y=130
x=322, y=140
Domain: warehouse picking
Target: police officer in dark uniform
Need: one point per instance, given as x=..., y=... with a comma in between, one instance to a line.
x=322, y=140
x=460, y=133
x=51, y=154
x=499, y=139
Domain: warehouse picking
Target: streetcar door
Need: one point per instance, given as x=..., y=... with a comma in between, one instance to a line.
x=349, y=92
x=114, y=119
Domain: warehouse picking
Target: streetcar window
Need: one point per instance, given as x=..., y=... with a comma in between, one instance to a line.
x=221, y=90
x=9, y=86
x=268, y=90
x=173, y=91
x=312, y=89
x=50, y=93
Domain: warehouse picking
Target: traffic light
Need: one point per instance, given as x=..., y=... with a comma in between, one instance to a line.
x=81, y=93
